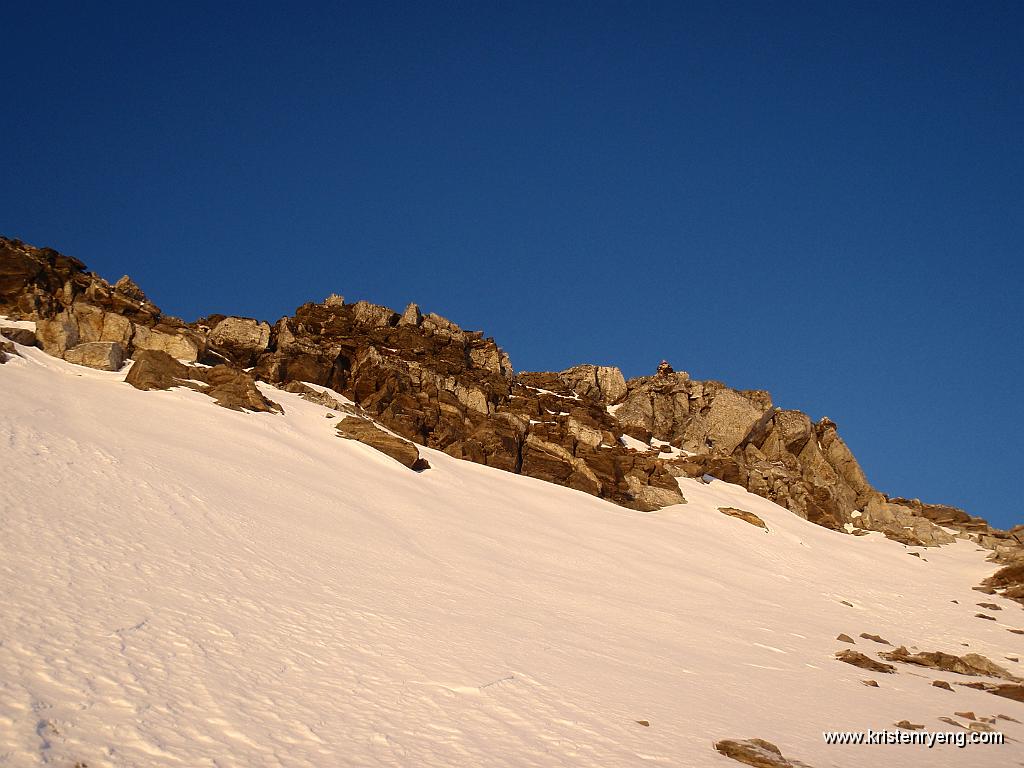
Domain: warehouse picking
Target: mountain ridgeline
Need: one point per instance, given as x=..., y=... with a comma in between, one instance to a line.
x=440, y=386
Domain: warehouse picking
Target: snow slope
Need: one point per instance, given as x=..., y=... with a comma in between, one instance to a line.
x=184, y=585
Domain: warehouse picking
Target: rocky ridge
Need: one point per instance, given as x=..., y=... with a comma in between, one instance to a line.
x=429, y=381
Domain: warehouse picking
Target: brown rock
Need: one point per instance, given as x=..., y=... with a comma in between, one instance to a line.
x=154, y=369
x=402, y=451
x=875, y=638
x=24, y=336
x=129, y=288
x=240, y=339
x=968, y=664
x=942, y=684
x=909, y=726
x=870, y=683
x=599, y=382
x=1009, y=691
x=57, y=334
x=858, y=659
x=235, y=389
x=178, y=341
x=757, y=753
x=102, y=355
x=748, y=517
x=846, y=639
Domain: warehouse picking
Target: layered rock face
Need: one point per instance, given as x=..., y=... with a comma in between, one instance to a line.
x=420, y=375
x=435, y=384
x=741, y=437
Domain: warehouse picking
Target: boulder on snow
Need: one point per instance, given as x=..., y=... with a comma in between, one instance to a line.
x=102, y=355
x=155, y=369
x=858, y=659
x=875, y=638
x=367, y=433
x=741, y=514
x=7, y=350
x=757, y=753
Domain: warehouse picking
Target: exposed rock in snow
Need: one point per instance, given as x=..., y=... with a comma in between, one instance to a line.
x=154, y=369
x=858, y=659
x=24, y=336
x=748, y=517
x=875, y=638
x=402, y=451
x=968, y=664
x=756, y=752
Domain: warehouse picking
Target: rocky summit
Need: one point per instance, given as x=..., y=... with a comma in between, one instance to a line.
x=430, y=382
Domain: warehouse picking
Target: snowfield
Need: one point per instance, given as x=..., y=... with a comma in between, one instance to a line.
x=183, y=585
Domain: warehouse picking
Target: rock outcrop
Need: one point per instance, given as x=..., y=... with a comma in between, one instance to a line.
x=435, y=384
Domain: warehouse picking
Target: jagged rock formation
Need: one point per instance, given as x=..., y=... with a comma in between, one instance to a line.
x=435, y=384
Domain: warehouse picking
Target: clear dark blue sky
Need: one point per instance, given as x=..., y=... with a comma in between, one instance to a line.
x=821, y=200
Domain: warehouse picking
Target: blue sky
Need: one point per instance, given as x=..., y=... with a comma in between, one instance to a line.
x=821, y=200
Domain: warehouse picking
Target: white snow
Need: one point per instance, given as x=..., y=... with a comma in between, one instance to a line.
x=636, y=445
x=543, y=391
x=184, y=585
x=7, y=322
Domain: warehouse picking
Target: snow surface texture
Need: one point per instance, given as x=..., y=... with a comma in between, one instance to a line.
x=184, y=585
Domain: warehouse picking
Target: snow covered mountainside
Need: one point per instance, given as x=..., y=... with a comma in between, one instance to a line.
x=185, y=585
